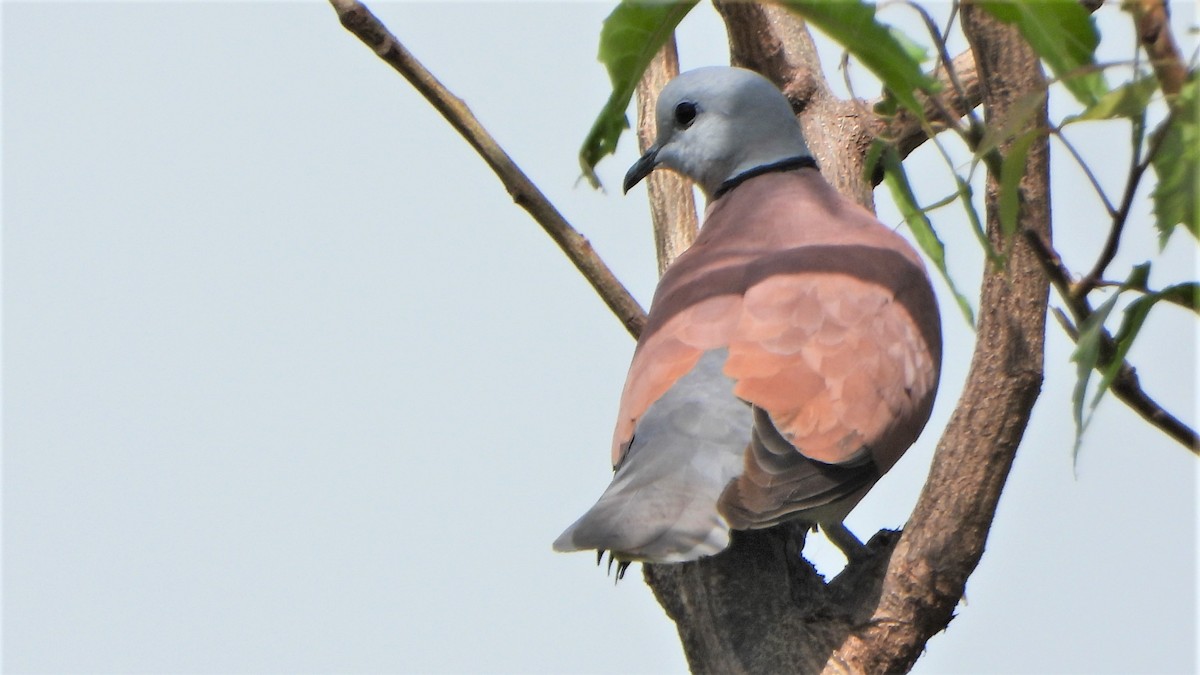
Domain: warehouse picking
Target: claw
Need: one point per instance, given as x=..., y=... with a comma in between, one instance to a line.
x=621, y=567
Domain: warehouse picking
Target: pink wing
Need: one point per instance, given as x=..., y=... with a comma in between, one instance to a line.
x=838, y=373
x=831, y=331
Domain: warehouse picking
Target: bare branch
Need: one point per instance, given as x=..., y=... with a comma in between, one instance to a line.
x=1154, y=32
x=905, y=129
x=672, y=202
x=776, y=43
x=363, y=24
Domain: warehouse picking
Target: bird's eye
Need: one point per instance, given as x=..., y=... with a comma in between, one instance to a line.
x=685, y=113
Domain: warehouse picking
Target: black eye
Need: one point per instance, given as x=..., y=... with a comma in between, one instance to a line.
x=685, y=113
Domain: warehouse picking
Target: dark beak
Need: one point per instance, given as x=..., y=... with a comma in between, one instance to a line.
x=642, y=167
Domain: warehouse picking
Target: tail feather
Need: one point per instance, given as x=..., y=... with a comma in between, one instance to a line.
x=662, y=503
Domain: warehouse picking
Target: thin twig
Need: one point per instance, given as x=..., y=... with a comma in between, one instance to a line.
x=363, y=24
x=1136, y=171
x=909, y=133
x=1064, y=322
x=939, y=40
x=1087, y=170
x=1125, y=386
x=951, y=19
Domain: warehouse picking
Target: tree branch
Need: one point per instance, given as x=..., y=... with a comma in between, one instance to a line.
x=960, y=82
x=1137, y=169
x=945, y=536
x=363, y=24
x=1087, y=170
x=1154, y=32
x=672, y=202
x=1125, y=386
x=905, y=130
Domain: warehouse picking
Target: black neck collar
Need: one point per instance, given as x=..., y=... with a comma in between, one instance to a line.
x=789, y=164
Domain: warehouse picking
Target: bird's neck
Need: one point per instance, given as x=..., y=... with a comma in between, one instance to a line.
x=785, y=164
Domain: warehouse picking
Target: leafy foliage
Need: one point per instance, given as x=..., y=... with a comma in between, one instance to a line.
x=1091, y=352
x=1020, y=114
x=1087, y=355
x=1175, y=165
x=1186, y=294
x=629, y=39
x=1128, y=100
x=916, y=50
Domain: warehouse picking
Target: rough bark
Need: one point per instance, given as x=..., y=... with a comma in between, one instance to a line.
x=672, y=204
x=945, y=537
x=906, y=131
x=761, y=608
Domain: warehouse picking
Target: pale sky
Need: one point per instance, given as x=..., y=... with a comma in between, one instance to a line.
x=291, y=385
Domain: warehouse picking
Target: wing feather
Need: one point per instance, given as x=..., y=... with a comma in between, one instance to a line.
x=831, y=333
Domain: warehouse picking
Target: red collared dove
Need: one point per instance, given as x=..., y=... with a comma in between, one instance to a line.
x=791, y=354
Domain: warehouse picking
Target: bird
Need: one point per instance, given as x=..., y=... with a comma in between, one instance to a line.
x=791, y=354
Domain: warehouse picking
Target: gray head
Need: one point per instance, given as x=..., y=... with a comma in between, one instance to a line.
x=716, y=123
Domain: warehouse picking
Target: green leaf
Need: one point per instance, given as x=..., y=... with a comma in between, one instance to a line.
x=917, y=220
x=852, y=24
x=1063, y=35
x=1139, y=276
x=1011, y=171
x=966, y=195
x=629, y=39
x=915, y=50
x=1087, y=352
x=1175, y=165
x=1020, y=116
x=962, y=187
x=1185, y=294
x=1086, y=356
x=1128, y=100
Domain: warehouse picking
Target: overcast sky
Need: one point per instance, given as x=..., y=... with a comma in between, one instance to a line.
x=290, y=384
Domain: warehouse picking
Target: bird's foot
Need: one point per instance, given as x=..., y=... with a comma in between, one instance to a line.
x=622, y=565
